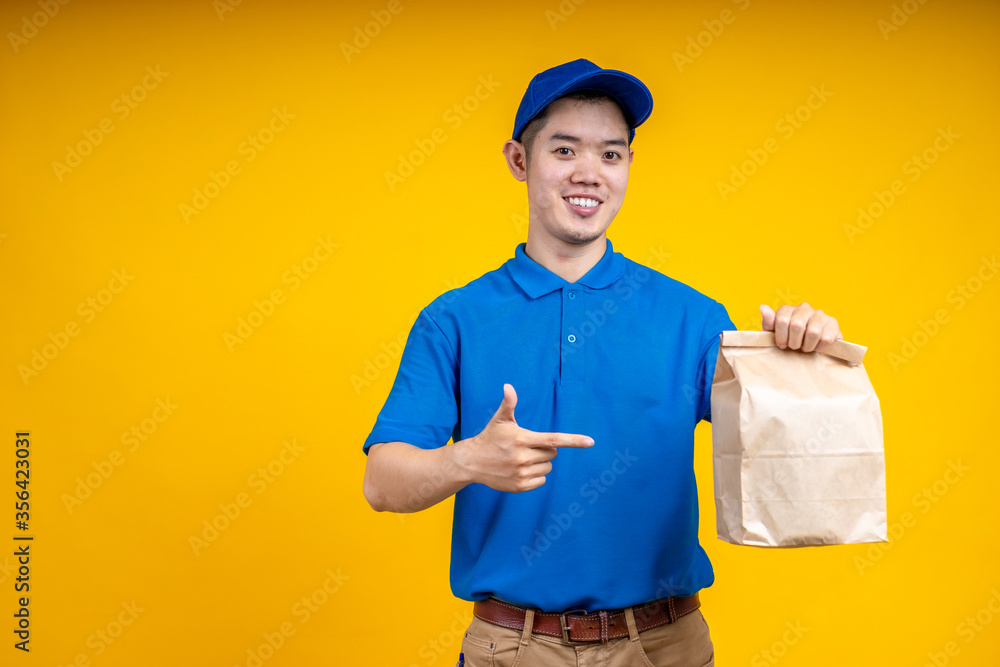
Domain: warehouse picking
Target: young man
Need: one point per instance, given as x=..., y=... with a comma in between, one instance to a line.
x=590, y=557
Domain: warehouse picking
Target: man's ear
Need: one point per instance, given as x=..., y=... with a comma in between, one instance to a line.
x=517, y=159
x=631, y=154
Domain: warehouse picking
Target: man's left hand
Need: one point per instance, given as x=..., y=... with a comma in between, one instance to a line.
x=800, y=327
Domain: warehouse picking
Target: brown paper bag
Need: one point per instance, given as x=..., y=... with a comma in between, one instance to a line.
x=797, y=445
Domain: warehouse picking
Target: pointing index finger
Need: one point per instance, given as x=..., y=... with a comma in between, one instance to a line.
x=560, y=440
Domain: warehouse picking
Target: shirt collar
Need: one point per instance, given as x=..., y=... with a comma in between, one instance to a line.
x=536, y=280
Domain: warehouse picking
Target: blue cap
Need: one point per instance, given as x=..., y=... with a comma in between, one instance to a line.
x=631, y=94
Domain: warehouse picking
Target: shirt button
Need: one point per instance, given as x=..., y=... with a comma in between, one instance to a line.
x=571, y=338
x=572, y=295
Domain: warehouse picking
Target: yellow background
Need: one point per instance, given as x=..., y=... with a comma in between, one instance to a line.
x=780, y=237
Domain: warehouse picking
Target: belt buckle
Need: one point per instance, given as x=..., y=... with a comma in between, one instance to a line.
x=563, y=624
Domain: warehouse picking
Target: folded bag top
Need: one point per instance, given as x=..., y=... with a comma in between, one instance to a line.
x=849, y=352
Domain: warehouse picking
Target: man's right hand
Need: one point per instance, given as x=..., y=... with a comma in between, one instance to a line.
x=506, y=457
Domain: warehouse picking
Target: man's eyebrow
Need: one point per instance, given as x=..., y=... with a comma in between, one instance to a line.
x=559, y=136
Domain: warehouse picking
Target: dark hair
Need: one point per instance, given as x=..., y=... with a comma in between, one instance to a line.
x=535, y=125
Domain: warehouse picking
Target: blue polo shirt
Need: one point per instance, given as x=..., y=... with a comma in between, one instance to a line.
x=625, y=355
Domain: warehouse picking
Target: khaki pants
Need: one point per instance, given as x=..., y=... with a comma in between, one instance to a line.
x=685, y=643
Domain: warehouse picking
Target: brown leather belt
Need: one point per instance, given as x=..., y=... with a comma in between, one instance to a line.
x=576, y=625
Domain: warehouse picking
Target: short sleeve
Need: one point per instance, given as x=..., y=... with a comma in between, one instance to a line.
x=422, y=407
x=717, y=322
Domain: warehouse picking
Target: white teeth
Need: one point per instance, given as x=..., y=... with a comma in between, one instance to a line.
x=582, y=201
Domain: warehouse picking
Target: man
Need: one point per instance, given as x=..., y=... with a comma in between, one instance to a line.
x=591, y=557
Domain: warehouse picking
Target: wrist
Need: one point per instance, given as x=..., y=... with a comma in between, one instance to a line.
x=459, y=459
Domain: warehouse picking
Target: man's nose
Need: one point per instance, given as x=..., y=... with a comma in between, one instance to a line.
x=587, y=169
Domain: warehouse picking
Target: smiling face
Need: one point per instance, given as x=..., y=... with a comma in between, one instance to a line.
x=577, y=172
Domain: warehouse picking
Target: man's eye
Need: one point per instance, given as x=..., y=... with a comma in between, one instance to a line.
x=564, y=151
x=611, y=155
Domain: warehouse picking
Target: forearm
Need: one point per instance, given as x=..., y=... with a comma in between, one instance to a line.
x=400, y=477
